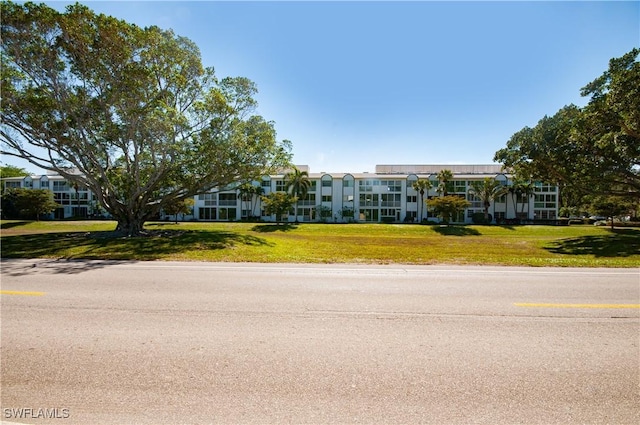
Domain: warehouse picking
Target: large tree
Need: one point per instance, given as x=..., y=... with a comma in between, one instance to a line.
x=547, y=151
x=129, y=112
x=610, y=127
x=595, y=149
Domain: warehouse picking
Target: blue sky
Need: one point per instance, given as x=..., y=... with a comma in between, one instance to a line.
x=355, y=84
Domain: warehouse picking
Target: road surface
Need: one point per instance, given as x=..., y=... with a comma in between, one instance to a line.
x=155, y=342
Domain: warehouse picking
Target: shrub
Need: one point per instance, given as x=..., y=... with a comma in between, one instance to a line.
x=478, y=218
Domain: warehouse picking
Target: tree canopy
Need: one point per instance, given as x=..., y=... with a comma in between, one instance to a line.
x=594, y=149
x=487, y=190
x=448, y=206
x=298, y=184
x=129, y=112
x=278, y=204
x=28, y=203
x=12, y=171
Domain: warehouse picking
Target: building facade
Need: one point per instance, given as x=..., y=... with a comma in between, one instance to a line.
x=384, y=196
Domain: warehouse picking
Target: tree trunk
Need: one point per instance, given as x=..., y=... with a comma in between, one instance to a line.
x=129, y=226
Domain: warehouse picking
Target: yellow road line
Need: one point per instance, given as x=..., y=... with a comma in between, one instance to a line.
x=31, y=293
x=554, y=305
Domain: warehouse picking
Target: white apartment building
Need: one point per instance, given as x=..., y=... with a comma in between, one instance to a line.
x=384, y=196
x=74, y=200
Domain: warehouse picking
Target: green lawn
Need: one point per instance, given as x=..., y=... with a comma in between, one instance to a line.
x=576, y=246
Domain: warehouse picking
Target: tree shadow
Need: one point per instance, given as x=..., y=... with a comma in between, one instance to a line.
x=270, y=228
x=456, y=231
x=109, y=245
x=12, y=224
x=617, y=243
x=20, y=267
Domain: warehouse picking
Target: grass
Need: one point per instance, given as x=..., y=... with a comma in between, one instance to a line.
x=575, y=246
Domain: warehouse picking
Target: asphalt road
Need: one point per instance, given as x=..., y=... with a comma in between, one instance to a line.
x=172, y=343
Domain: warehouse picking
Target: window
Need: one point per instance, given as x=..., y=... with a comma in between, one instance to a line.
x=544, y=187
x=391, y=199
x=545, y=201
x=412, y=198
x=369, y=199
x=266, y=183
x=326, y=198
x=281, y=186
x=392, y=185
x=310, y=199
x=544, y=214
x=307, y=214
x=227, y=199
x=347, y=183
x=367, y=185
x=62, y=198
x=388, y=212
x=82, y=197
x=368, y=214
x=475, y=201
x=60, y=186
x=207, y=213
x=209, y=199
x=44, y=184
x=458, y=186
x=227, y=214
x=12, y=185
x=326, y=183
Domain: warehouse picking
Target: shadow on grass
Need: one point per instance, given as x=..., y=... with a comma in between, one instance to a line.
x=108, y=246
x=617, y=243
x=456, y=231
x=270, y=228
x=12, y=224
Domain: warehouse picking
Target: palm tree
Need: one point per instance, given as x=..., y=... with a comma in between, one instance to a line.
x=298, y=184
x=444, y=177
x=421, y=186
x=527, y=190
x=251, y=193
x=515, y=190
x=487, y=190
